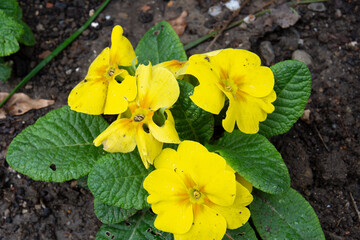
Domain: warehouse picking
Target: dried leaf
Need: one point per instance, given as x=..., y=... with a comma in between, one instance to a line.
x=145, y=8
x=284, y=16
x=21, y=103
x=179, y=23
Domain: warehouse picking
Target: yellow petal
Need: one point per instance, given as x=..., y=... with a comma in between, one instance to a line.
x=208, y=224
x=99, y=66
x=231, y=114
x=221, y=188
x=158, y=87
x=235, y=60
x=257, y=82
x=237, y=214
x=251, y=111
x=244, y=182
x=149, y=148
x=170, y=200
x=212, y=53
x=89, y=96
x=121, y=52
x=176, y=67
x=175, y=216
x=119, y=94
x=207, y=94
x=118, y=137
x=166, y=133
x=172, y=189
x=168, y=159
x=208, y=171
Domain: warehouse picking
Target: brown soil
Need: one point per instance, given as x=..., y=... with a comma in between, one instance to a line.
x=322, y=153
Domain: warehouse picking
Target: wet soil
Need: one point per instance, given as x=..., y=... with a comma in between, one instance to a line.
x=321, y=151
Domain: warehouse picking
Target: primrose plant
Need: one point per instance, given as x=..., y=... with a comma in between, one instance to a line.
x=13, y=32
x=158, y=171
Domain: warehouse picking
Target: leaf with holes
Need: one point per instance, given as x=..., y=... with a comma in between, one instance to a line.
x=288, y=216
x=140, y=226
x=245, y=232
x=111, y=214
x=191, y=122
x=160, y=44
x=117, y=179
x=254, y=158
x=58, y=147
x=292, y=87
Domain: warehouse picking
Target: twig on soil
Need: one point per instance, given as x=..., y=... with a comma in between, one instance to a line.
x=257, y=14
x=355, y=206
x=322, y=140
x=227, y=235
x=226, y=24
x=54, y=53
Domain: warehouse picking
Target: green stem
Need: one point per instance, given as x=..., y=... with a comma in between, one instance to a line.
x=212, y=34
x=55, y=52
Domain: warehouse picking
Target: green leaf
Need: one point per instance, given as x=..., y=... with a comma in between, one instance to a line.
x=117, y=179
x=285, y=216
x=27, y=38
x=10, y=32
x=11, y=8
x=58, y=147
x=292, y=87
x=139, y=227
x=191, y=122
x=111, y=214
x=5, y=72
x=160, y=44
x=254, y=158
x=245, y=232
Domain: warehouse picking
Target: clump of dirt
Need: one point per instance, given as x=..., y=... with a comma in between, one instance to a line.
x=321, y=152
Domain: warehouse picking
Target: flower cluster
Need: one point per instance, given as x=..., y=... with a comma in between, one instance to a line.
x=200, y=197
x=193, y=191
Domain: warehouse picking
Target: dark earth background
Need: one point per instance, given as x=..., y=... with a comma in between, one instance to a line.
x=321, y=152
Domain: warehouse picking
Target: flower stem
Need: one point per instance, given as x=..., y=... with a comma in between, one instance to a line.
x=54, y=53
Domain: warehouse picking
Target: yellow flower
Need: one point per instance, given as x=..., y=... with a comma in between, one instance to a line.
x=236, y=74
x=157, y=91
x=99, y=92
x=195, y=194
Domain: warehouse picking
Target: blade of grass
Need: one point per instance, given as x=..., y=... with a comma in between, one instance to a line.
x=54, y=53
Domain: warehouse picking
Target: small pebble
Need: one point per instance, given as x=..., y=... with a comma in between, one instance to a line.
x=267, y=52
x=68, y=72
x=91, y=12
x=338, y=13
x=95, y=24
x=107, y=17
x=232, y=5
x=317, y=7
x=7, y=213
x=214, y=10
x=302, y=56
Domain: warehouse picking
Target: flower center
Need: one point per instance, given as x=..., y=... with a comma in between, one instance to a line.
x=196, y=194
x=110, y=71
x=139, y=118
